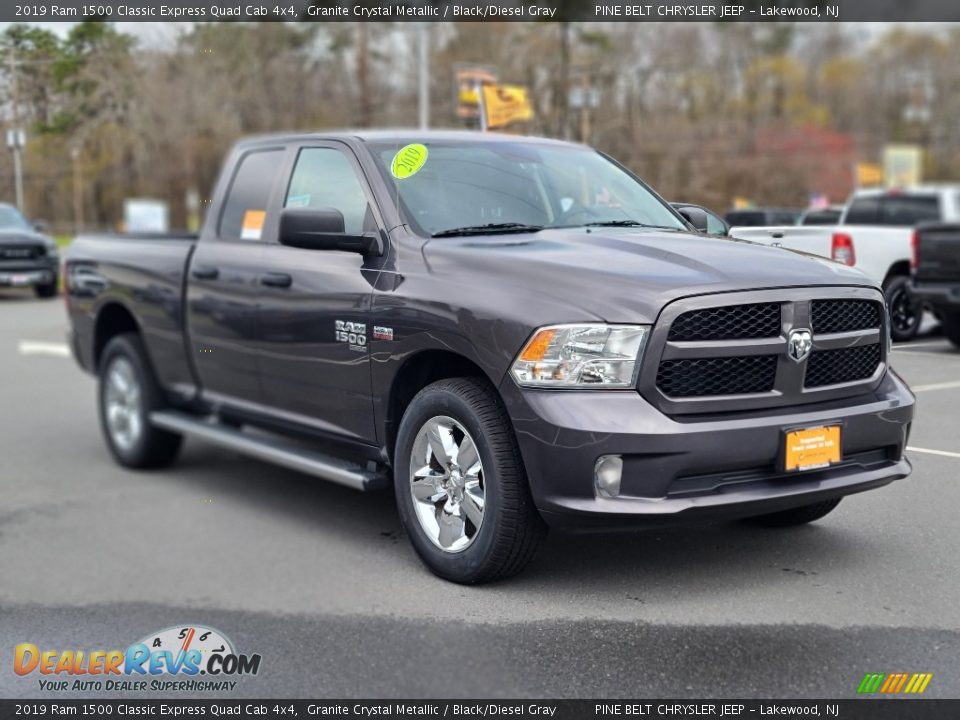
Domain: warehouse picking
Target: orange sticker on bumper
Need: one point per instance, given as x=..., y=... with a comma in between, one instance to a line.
x=812, y=448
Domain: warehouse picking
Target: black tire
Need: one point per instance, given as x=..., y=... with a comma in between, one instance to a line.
x=47, y=290
x=906, y=312
x=151, y=447
x=511, y=529
x=951, y=328
x=795, y=516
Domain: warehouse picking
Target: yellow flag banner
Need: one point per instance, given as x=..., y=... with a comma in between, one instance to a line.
x=505, y=104
x=869, y=175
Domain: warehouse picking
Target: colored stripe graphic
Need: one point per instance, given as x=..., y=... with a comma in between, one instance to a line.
x=894, y=683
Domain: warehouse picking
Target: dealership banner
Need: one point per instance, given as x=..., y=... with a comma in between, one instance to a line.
x=467, y=709
x=483, y=10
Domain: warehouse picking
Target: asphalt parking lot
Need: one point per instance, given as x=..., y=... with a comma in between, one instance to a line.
x=320, y=581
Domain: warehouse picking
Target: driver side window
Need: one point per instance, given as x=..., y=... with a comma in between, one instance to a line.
x=325, y=178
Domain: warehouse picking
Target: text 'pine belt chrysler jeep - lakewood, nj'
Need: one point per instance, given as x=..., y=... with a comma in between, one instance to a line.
x=515, y=333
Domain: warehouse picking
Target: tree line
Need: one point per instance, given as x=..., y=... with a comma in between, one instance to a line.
x=705, y=112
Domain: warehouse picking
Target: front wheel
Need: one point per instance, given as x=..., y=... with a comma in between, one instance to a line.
x=905, y=311
x=795, y=516
x=461, y=486
x=128, y=393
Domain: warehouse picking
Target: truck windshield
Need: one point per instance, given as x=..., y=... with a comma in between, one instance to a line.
x=469, y=188
x=11, y=219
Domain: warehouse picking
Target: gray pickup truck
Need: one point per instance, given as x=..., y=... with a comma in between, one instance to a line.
x=514, y=333
x=28, y=258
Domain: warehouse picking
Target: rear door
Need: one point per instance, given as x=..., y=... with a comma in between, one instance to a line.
x=223, y=278
x=314, y=324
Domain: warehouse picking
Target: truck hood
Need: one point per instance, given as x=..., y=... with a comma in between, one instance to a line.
x=10, y=236
x=627, y=275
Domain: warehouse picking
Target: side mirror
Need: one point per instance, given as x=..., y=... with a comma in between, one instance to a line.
x=695, y=216
x=323, y=229
x=40, y=226
x=703, y=219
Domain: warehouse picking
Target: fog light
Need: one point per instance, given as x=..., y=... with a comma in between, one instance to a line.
x=606, y=475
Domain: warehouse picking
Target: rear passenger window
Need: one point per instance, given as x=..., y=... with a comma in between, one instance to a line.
x=325, y=178
x=909, y=210
x=863, y=211
x=245, y=209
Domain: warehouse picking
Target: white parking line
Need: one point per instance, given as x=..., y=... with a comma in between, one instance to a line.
x=926, y=451
x=32, y=347
x=938, y=356
x=935, y=386
x=935, y=343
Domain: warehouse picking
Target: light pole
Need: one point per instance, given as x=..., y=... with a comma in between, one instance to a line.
x=77, y=191
x=16, y=138
x=424, y=75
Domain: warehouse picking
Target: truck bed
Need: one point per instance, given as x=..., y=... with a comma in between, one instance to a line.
x=144, y=273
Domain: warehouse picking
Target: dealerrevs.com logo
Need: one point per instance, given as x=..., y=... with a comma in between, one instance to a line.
x=186, y=658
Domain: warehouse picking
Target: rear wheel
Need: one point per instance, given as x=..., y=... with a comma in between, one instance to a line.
x=905, y=311
x=460, y=484
x=951, y=328
x=128, y=393
x=795, y=516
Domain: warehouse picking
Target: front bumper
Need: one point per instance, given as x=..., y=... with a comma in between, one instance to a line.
x=28, y=275
x=697, y=467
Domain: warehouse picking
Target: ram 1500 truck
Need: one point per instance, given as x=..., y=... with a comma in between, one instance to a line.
x=936, y=274
x=514, y=333
x=874, y=235
x=28, y=258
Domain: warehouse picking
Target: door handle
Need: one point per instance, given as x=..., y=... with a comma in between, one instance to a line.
x=205, y=272
x=278, y=280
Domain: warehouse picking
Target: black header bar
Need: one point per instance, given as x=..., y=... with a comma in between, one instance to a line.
x=862, y=709
x=482, y=10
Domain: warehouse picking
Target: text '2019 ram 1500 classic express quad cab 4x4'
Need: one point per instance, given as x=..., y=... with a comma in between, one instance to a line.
x=515, y=333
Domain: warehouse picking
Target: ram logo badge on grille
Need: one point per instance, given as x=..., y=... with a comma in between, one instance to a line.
x=799, y=344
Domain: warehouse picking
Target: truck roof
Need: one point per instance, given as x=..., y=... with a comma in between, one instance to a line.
x=926, y=188
x=401, y=135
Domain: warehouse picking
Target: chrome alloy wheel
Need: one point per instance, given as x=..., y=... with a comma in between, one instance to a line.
x=124, y=404
x=446, y=482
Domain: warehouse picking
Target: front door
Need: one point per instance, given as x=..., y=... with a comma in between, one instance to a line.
x=313, y=322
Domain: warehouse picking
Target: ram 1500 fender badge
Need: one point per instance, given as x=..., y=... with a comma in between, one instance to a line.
x=799, y=344
x=353, y=334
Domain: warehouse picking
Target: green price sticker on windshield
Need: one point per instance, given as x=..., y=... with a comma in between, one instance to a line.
x=408, y=161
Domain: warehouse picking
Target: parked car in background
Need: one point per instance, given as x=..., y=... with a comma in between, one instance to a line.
x=874, y=235
x=936, y=273
x=28, y=258
x=759, y=217
x=821, y=216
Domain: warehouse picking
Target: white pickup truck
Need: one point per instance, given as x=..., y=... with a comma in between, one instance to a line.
x=875, y=235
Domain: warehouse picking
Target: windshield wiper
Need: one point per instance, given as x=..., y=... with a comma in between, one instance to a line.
x=489, y=228
x=628, y=223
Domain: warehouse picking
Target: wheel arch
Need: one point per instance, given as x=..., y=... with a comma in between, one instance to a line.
x=417, y=371
x=113, y=319
x=901, y=267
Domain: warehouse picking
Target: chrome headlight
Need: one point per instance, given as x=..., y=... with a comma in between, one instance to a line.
x=582, y=356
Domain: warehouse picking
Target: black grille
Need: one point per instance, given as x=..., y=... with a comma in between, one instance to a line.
x=733, y=322
x=834, y=316
x=717, y=376
x=831, y=367
x=19, y=252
